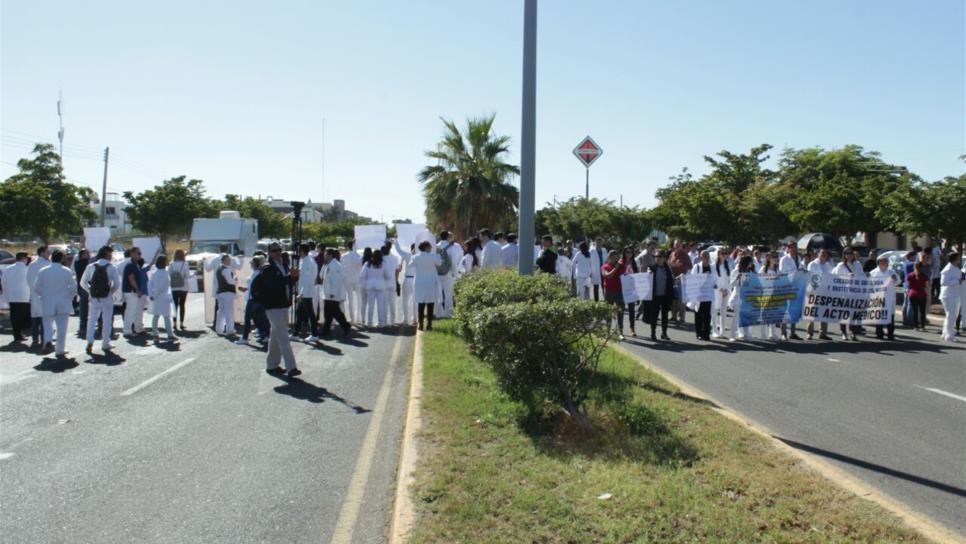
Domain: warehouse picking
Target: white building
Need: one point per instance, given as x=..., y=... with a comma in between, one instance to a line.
x=115, y=218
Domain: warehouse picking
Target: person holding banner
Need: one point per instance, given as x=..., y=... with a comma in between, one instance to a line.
x=702, y=314
x=769, y=265
x=662, y=293
x=610, y=275
x=821, y=267
x=351, y=268
x=791, y=263
x=746, y=266
x=722, y=288
x=882, y=270
x=583, y=271
x=849, y=267
x=950, y=281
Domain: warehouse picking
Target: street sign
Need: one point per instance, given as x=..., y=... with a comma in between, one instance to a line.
x=587, y=151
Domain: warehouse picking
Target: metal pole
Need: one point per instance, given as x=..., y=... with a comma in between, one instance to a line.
x=528, y=134
x=107, y=152
x=587, y=185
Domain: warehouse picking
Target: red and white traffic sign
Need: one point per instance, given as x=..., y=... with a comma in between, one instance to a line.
x=587, y=151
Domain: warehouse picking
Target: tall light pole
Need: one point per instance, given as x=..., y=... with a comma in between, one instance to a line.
x=60, y=132
x=528, y=135
x=107, y=152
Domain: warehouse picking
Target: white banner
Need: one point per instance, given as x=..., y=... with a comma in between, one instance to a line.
x=373, y=236
x=406, y=233
x=425, y=236
x=95, y=238
x=637, y=287
x=846, y=300
x=697, y=288
x=150, y=248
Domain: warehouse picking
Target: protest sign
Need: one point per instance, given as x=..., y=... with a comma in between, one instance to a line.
x=637, y=287
x=150, y=248
x=697, y=288
x=96, y=237
x=846, y=300
x=406, y=234
x=771, y=299
x=425, y=236
x=373, y=236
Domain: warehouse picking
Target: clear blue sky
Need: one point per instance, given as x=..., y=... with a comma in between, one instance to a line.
x=234, y=92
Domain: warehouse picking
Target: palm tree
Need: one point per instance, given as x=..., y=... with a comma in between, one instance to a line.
x=468, y=188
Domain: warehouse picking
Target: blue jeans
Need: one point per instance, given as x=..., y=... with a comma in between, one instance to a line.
x=255, y=312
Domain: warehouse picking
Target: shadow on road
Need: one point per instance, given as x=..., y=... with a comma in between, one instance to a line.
x=56, y=364
x=303, y=390
x=15, y=347
x=876, y=468
x=108, y=359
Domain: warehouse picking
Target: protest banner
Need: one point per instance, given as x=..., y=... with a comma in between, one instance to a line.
x=150, y=247
x=846, y=300
x=96, y=237
x=637, y=287
x=406, y=233
x=771, y=299
x=373, y=236
x=697, y=288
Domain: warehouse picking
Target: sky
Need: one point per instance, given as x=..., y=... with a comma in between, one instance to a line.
x=235, y=92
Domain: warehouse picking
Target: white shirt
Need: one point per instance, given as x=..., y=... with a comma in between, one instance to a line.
x=455, y=253
x=333, y=281
x=113, y=277
x=466, y=265
x=351, y=267
x=404, y=257
x=56, y=287
x=15, y=286
x=949, y=282
x=159, y=287
x=565, y=267
x=787, y=264
x=376, y=278
x=842, y=269
x=583, y=268
x=33, y=269
x=510, y=254
x=307, y=274
x=598, y=257
x=492, y=257
x=888, y=272
x=818, y=267
x=215, y=261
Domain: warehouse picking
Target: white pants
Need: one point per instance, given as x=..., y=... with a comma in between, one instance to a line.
x=61, y=321
x=735, y=321
x=719, y=310
x=351, y=302
x=769, y=331
x=104, y=308
x=134, y=313
x=407, y=301
x=950, y=305
x=444, y=302
x=376, y=297
x=279, y=347
x=363, y=304
x=584, y=289
x=391, y=297
x=167, y=324
x=226, y=313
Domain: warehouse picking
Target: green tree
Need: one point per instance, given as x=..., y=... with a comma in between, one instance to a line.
x=937, y=209
x=468, y=188
x=37, y=200
x=332, y=233
x=579, y=217
x=271, y=224
x=170, y=208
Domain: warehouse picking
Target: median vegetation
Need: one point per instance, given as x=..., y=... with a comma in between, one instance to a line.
x=504, y=459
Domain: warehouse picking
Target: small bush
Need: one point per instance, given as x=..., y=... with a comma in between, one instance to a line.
x=491, y=288
x=544, y=350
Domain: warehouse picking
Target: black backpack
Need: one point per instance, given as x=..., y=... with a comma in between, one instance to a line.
x=100, y=283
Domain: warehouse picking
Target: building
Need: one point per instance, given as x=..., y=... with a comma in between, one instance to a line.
x=115, y=217
x=313, y=212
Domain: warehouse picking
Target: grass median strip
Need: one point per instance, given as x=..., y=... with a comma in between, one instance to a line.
x=658, y=466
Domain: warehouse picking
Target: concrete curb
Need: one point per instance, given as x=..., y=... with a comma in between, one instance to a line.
x=838, y=477
x=404, y=511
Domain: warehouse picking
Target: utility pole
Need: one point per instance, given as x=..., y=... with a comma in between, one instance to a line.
x=323, y=159
x=587, y=185
x=107, y=152
x=528, y=135
x=60, y=133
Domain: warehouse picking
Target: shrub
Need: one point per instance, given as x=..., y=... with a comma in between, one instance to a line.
x=491, y=288
x=544, y=351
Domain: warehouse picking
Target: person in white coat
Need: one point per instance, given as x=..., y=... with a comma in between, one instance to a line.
x=746, y=267
x=882, y=270
x=375, y=278
x=394, y=262
x=351, y=268
x=510, y=253
x=307, y=295
x=101, y=281
x=565, y=265
x=471, y=260
x=159, y=291
x=598, y=256
x=333, y=292
x=492, y=252
x=408, y=277
x=17, y=292
x=55, y=286
x=213, y=263
x=769, y=265
x=225, y=293
x=722, y=290
x=791, y=263
x=36, y=314
x=849, y=267
x=822, y=266
x=444, y=308
x=584, y=271
x=424, y=271
x=950, y=283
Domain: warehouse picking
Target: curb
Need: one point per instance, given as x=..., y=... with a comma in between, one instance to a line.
x=930, y=529
x=404, y=511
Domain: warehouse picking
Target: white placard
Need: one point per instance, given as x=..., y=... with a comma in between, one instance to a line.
x=150, y=248
x=96, y=237
x=406, y=233
x=425, y=236
x=697, y=288
x=637, y=287
x=373, y=236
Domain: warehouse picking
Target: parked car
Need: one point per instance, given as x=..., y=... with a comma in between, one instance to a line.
x=6, y=257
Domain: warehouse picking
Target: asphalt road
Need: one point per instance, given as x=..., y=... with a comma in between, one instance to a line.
x=892, y=414
x=199, y=444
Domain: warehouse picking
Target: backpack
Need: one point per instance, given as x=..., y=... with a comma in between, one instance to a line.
x=100, y=283
x=446, y=265
x=177, y=278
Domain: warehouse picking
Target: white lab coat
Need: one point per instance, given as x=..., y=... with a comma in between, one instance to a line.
x=597, y=260
x=787, y=264
x=333, y=281
x=842, y=269
x=949, y=283
x=466, y=265
x=351, y=267
x=159, y=289
x=492, y=256
x=565, y=267
x=15, y=286
x=33, y=269
x=425, y=282
x=510, y=254
x=584, y=269
x=55, y=287
x=306, y=285
x=820, y=268
x=722, y=291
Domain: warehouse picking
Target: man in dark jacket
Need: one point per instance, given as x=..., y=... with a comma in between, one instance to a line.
x=273, y=290
x=547, y=261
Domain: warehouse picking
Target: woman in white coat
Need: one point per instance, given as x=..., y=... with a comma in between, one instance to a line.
x=722, y=289
x=739, y=276
x=950, y=283
x=408, y=278
x=376, y=277
x=849, y=267
x=55, y=287
x=225, y=295
x=769, y=265
x=159, y=290
x=424, y=265
x=583, y=270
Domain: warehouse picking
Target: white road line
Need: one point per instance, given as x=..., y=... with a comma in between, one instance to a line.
x=6, y=456
x=833, y=360
x=941, y=392
x=155, y=378
x=18, y=377
x=349, y=514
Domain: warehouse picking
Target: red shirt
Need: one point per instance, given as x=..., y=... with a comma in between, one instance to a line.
x=611, y=284
x=917, y=285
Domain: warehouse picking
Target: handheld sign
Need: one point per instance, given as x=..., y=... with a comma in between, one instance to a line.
x=637, y=287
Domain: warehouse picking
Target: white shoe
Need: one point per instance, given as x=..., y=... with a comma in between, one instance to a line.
x=312, y=339
x=845, y=338
x=715, y=335
x=732, y=339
